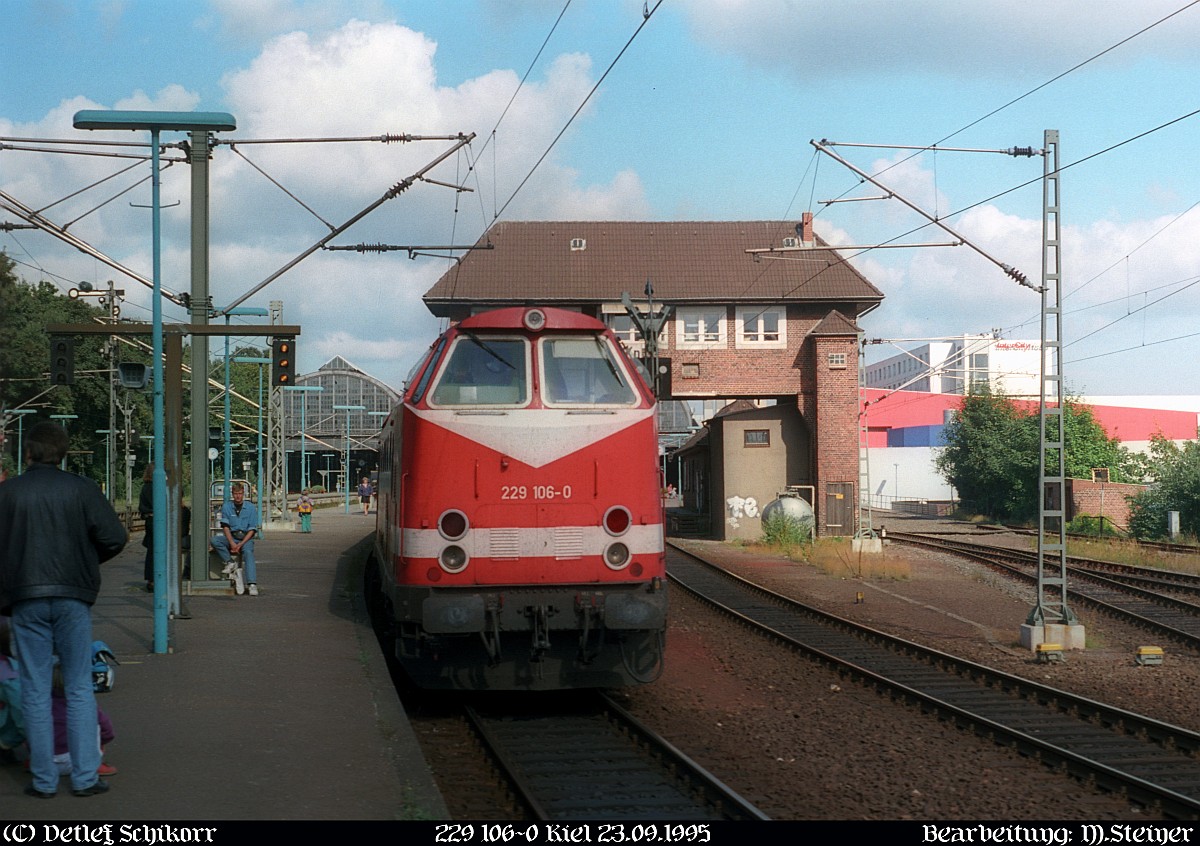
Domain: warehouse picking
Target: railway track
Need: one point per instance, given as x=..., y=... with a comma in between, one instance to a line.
x=585, y=758
x=1152, y=762
x=1146, y=597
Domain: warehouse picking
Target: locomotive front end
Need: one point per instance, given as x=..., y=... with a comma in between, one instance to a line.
x=529, y=552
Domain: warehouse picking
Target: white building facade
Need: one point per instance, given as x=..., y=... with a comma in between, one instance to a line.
x=952, y=366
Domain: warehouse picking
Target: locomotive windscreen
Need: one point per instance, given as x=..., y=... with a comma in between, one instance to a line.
x=479, y=372
x=583, y=371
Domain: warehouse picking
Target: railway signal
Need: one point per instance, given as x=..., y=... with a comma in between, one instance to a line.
x=283, y=361
x=62, y=360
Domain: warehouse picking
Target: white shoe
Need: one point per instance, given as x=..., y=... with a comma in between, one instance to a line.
x=229, y=568
x=254, y=590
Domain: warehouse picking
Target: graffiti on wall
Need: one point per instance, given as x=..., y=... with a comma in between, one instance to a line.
x=740, y=507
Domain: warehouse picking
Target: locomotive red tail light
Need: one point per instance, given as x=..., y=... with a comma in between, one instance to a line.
x=617, y=520
x=616, y=556
x=453, y=524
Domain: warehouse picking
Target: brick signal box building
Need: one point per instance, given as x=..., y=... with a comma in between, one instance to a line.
x=778, y=325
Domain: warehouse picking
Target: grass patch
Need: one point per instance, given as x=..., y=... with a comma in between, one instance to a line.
x=836, y=557
x=1130, y=553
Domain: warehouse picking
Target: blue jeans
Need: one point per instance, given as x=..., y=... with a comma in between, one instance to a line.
x=42, y=629
x=221, y=545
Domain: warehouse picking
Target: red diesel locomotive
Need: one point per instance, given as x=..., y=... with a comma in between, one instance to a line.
x=519, y=543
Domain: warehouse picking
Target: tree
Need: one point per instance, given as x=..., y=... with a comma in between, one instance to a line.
x=990, y=458
x=25, y=311
x=1175, y=473
x=991, y=454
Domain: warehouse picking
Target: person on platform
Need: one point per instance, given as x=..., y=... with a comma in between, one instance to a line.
x=146, y=511
x=13, y=747
x=364, y=494
x=304, y=507
x=56, y=529
x=239, y=525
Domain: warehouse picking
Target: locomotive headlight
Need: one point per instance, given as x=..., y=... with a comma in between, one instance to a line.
x=453, y=559
x=617, y=520
x=616, y=556
x=453, y=524
x=534, y=319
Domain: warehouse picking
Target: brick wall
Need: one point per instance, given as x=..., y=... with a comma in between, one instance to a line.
x=731, y=371
x=1086, y=498
x=836, y=424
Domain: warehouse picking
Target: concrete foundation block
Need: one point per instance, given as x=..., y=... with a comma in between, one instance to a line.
x=868, y=545
x=1068, y=636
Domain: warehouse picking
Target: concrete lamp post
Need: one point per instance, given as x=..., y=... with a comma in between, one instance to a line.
x=346, y=466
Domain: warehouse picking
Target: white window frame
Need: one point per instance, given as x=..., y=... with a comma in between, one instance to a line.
x=682, y=315
x=752, y=313
x=630, y=338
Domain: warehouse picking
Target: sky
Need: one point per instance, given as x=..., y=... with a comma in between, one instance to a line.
x=594, y=110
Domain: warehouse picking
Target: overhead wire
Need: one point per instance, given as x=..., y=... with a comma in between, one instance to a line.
x=646, y=16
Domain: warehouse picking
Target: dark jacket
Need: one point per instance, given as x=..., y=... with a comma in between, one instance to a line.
x=55, y=530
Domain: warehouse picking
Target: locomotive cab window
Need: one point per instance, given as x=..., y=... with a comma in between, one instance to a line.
x=583, y=371
x=483, y=370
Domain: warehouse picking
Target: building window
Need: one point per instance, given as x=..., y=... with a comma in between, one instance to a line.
x=759, y=326
x=627, y=333
x=690, y=371
x=700, y=327
x=837, y=361
x=756, y=438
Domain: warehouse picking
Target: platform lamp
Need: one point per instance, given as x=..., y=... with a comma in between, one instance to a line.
x=304, y=389
x=108, y=468
x=156, y=122
x=64, y=418
x=228, y=435
x=20, y=413
x=260, y=361
x=346, y=465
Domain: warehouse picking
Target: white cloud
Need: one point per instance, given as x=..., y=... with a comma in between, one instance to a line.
x=359, y=79
x=938, y=37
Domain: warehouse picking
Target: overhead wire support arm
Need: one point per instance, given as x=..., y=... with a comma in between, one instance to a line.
x=412, y=249
x=816, y=248
x=823, y=146
x=10, y=204
x=386, y=138
x=934, y=148
x=395, y=191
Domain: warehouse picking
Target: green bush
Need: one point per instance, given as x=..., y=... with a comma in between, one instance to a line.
x=1094, y=526
x=783, y=530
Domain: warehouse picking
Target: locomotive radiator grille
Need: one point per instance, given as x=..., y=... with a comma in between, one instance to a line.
x=568, y=542
x=504, y=543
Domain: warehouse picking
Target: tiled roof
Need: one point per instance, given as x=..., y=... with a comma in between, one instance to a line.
x=835, y=323
x=687, y=261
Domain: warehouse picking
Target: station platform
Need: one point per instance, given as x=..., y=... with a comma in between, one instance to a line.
x=274, y=707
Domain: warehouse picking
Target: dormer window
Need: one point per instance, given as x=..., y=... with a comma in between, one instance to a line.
x=578, y=244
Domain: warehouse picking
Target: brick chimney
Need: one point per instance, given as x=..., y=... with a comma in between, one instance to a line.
x=806, y=229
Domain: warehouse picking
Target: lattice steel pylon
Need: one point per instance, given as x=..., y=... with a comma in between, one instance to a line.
x=1052, y=528
x=276, y=508
x=865, y=529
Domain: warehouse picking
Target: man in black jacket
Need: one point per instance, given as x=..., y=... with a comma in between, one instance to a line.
x=55, y=530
